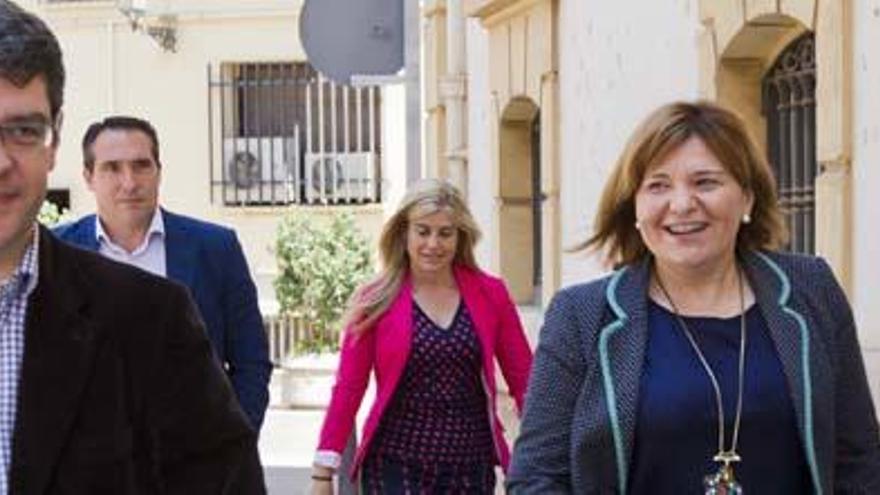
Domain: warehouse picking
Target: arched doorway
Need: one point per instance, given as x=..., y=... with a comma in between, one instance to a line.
x=520, y=200
x=789, y=107
x=744, y=45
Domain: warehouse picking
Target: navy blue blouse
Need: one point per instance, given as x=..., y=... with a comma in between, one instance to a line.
x=438, y=413
x=677, y=431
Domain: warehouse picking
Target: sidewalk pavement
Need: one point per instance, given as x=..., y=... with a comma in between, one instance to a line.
x=287, y=446
x=288, y=440
x=289, y=436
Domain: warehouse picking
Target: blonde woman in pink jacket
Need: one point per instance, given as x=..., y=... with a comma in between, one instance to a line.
x=430, y=326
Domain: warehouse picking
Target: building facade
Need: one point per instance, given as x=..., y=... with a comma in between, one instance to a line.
x=552, y=88
x=248, y=129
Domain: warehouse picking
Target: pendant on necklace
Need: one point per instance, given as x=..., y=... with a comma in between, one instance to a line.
x=723, y=482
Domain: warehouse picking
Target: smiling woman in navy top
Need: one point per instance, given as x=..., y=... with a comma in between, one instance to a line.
x=708, y=362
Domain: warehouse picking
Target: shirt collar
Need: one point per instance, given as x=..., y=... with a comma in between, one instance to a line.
x=156, y=229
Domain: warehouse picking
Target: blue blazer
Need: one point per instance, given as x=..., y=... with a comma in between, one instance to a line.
x=208, y=259
x=581, y=406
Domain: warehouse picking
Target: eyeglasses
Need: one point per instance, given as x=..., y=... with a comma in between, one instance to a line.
x=26, y=136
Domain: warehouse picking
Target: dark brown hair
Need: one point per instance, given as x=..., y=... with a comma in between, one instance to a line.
x=119, y=123
x=28, y=49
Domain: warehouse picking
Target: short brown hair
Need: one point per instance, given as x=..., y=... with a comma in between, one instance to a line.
x=29, y=49
x=664, y=130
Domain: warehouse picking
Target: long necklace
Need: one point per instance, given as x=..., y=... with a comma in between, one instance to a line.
x=723, y=481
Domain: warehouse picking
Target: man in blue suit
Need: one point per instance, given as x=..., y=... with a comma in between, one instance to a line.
x=122, y=168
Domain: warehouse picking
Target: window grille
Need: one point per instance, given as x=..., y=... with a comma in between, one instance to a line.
x=789, y=105
x=290, y=136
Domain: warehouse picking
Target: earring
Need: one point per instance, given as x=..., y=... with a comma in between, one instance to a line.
x=638, y=225
x=747, y=218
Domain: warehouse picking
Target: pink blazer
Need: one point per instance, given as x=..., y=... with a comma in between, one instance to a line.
x=384, y=349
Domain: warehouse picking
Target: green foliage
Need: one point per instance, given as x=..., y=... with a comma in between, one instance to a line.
x=319, y=268
x=50, y=214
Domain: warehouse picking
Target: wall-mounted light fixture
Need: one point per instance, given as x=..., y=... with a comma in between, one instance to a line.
x=161, y=28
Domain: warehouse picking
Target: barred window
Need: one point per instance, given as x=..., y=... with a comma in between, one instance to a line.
x=790, y=109
x=291, y=136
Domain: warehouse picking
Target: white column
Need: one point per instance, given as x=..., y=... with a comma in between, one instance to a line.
x=413, y=111
x=453, y=89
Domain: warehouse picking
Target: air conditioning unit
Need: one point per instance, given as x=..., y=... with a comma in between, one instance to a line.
x=341, y=177
x=259, y=170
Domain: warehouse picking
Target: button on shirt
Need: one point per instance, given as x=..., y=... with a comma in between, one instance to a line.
x=14, y=293
x=149, y=255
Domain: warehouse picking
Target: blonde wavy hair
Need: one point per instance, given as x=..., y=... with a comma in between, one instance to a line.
x=423, y=198
x=664, y=130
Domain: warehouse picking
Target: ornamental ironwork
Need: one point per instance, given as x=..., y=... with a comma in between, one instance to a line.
x=290, y=136
x=789, y=106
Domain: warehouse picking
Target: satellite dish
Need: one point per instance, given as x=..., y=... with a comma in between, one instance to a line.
x=345, y=37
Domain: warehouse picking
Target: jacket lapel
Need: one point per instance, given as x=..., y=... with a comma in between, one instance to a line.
x=180, y=251
x=790, y=334
x=87, y=236
x=394, y=334
x=622, y=344
x=474, y=298
x=784, y=330
x=60, y=345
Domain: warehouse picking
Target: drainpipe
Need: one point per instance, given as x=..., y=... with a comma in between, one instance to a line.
x=453, y=88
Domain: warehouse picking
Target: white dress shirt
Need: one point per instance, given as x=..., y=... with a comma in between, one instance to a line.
x=149, y=255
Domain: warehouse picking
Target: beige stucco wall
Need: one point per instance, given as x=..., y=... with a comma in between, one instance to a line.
x=434, y=68
x=615, y=67
x=517, y=41
x=481, y=119
x=865, y=291
x=114, y=70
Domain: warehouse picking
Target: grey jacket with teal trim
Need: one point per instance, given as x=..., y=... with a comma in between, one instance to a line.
x=577, y=429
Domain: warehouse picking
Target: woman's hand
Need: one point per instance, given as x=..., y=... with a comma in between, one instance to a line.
x=322, y=480
x=321, y=487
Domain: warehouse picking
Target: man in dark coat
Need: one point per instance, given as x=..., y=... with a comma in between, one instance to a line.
x=108, y=382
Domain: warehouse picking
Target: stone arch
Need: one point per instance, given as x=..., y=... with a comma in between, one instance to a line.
x=744, y=65
x=744, y=61
x=740, y=42
x=520, y=198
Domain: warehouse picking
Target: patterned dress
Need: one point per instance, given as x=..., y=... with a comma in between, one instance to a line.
x=435, y=437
